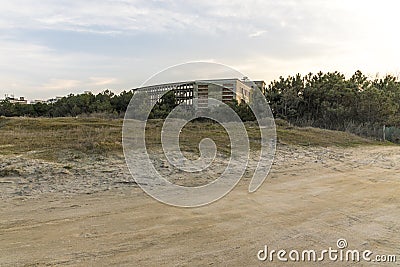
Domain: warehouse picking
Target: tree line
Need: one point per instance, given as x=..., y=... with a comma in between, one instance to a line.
x=105, y=104
x=329, y=100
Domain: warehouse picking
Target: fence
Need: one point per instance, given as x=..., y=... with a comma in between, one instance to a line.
x=392, y=134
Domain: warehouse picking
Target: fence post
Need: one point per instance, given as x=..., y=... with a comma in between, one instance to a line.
x=384, y=132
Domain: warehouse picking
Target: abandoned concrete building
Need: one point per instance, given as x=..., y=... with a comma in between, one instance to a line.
x=224, y=90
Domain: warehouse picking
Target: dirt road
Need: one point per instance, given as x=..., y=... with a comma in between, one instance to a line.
x=92, y=214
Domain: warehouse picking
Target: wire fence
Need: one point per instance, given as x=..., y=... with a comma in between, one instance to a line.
x=392, y=134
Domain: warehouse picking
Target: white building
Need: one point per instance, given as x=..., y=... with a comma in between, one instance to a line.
x=13, y=100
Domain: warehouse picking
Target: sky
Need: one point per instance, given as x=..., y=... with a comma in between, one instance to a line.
x=53, y=48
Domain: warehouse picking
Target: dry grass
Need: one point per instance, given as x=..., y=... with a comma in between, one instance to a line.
x=308, y=136
x=47, y=137
x=190, y=136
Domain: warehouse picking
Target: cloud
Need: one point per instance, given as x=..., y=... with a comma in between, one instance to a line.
x=104, y=17
x=49, y=45
x=143, y=16
x=257, y=33
x=102, y=80
x=56, y=84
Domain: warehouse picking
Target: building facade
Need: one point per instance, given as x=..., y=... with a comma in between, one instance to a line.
x=197, y=92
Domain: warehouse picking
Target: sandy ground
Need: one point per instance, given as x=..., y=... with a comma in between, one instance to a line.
x=88, y=211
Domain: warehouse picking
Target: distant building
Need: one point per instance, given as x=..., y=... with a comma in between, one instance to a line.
x=224, y=90
x=14, y=100
x=260, y=84
x=53, y=100
x=37, y=101
x=22, y=100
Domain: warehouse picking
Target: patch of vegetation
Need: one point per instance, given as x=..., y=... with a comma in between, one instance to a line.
x=47, y=137
x=308, y=136
x=51, y=138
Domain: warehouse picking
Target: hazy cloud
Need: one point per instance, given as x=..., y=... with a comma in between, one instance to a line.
x=257, y=33
x=102, y=80
x=48, y=45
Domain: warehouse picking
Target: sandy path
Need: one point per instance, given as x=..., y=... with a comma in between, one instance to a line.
x=312, y=197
